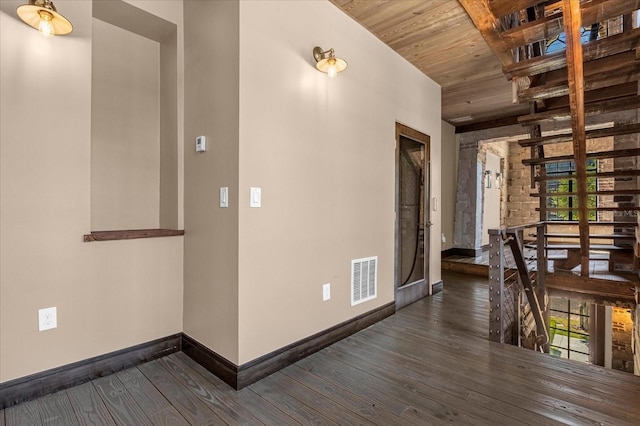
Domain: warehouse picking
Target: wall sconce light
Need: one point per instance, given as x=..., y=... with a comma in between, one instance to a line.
x=498, y=180
x=327, y=61
x=43, y=16
x=487, y=178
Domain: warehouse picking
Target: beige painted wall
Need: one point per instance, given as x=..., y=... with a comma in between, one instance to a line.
x=125, y=129
x=250, y=275
x=211, y=232
x=449, y=182
x=323, y=152
x=109, y=295
x=492, y=209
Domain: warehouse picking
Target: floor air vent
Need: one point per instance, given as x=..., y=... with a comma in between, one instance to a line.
x=364, y=278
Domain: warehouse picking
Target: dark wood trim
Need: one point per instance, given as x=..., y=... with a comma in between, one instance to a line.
x=448, y=252
x=131, y=234
x=437, y=287
x=631, y=152
x=35, y=385
x=217, y=364
x=603, y=192
x=456, y=251
x=241, y=376
x=488, y=124
x=615, y=173
x=465, y=268
x=573, y=222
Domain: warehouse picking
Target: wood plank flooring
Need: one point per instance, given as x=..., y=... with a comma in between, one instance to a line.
x=431, y=363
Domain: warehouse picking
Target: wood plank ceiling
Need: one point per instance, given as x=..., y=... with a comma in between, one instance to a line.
x=468, y=46
x=440, y=39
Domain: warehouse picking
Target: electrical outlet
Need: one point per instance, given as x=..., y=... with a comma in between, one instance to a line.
x=326, y=292
x=47, y=319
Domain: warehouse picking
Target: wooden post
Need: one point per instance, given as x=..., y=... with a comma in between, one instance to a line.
x=572, y=24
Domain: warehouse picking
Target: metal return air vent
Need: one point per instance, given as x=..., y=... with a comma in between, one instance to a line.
x=364, y=279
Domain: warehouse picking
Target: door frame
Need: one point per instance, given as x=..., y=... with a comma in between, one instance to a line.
x=411, y=292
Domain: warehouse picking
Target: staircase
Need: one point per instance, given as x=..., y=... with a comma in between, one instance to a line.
x=587, y=179
x=587, y=244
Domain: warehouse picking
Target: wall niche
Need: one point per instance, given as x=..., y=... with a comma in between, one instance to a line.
x=134, y=129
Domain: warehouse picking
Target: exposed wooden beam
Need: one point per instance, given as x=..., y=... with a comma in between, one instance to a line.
x=606, y=72
x=602, y=192
x=604, y=107
x=501, y=8
x=591, y=51
x=489, y=124
x=593, y=209
x=632, y=152
x=546, y=28
x=572, y=24
x=622, y=129
x=613, y=174
x=605, y=291
x=598, y=223
x=487, y=24
x=592, y=236
x=620, y=91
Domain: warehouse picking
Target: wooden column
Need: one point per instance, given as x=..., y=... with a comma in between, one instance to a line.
x=572, y=24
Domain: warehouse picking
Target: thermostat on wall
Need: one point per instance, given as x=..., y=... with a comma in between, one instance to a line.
x=201, y=144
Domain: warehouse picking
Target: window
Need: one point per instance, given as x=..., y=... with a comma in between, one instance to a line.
x=565, y=186
x=569, y=329
x=558, y=42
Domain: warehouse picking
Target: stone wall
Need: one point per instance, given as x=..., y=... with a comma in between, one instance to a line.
x=636, y=334
x=521, y=206
x=468, y=197
x=622, y=347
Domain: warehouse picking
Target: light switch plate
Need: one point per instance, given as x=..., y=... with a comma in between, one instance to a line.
x=201, y=144
x=224, y=196
x=326, y=292
x=255, y=197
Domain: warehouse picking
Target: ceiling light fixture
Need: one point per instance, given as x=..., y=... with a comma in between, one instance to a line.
x=43, y=16
x=327, y=61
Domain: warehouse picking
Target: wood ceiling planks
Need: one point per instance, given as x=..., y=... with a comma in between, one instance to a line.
x=439, y=39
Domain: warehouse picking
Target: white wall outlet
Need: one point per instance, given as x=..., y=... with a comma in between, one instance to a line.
x=326, y=292
x=47, y=318
x=201, y=144
x=444, y=238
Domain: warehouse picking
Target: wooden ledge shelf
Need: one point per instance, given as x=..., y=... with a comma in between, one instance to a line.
x=131, y=234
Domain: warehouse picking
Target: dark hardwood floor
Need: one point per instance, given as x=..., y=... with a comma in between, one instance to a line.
x=431, y=363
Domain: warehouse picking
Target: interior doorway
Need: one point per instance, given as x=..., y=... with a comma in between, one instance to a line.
x=412, y=218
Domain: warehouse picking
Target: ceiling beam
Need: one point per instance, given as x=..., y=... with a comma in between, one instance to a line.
x=572, y=24
x=488, y=124
x=487, y=24
x=594, y=11
x=564, y=113
x=621, y=129
x=621, y=91
x=612, y=71
x=501, y=8
x=591, y=51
